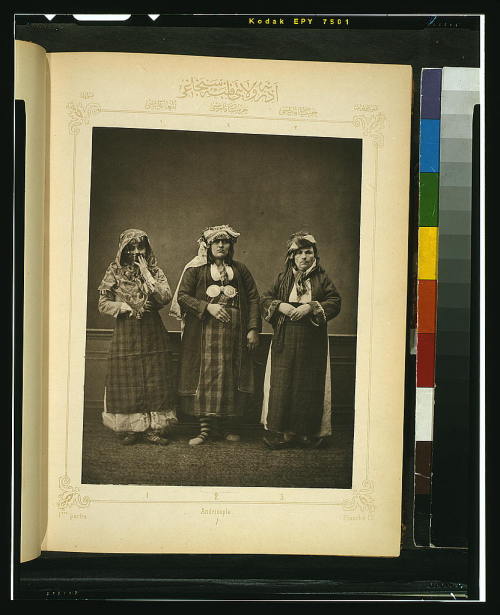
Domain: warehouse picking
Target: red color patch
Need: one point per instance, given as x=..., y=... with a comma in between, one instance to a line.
x=426, y=358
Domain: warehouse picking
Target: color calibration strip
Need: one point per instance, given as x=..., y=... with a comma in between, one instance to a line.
x=428, y=219
x=460, y=92
x=448, y=97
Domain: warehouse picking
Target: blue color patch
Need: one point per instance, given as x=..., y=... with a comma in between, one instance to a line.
x=429, y=146
x=430, y=99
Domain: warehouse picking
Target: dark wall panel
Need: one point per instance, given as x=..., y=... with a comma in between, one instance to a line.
x=172, y=184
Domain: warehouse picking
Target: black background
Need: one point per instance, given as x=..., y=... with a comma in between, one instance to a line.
x=418, y=572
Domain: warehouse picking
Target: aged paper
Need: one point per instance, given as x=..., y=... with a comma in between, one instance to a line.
x=30, y=86
x=159, y=92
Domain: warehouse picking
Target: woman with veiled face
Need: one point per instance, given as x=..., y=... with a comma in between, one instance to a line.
x=138, y=401
x=218, y=302
x=297, y=401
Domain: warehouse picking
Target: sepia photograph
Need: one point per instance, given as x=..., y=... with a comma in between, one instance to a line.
x=222, y=309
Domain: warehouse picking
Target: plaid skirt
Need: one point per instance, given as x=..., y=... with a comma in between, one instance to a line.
x=297, y=384
x=138, y=378
x=217, y=393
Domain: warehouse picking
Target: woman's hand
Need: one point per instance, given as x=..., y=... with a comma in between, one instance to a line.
x=301, y=311
x=126, y=309
x=148, y=306
x=286, y=309
x=218, y=312
x=146, y=274
x=252, y=339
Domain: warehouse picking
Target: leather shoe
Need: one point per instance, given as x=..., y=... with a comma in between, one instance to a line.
x=129, y=438
x=311, y=442
x=276, y=443
x=155, y=438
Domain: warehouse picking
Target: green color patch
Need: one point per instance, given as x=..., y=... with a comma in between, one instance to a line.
x=428, y=211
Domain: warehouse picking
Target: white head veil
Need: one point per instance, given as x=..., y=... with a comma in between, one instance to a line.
x=209, y=235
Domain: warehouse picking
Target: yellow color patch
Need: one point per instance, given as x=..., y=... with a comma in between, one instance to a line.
x=427, y=252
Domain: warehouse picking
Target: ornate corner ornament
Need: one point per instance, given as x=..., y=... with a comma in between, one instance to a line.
x=80, y=114
x=70, y=496
x=362, y=499
x=372, y=125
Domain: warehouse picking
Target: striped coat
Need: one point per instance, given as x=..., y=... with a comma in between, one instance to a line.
x=193, y=301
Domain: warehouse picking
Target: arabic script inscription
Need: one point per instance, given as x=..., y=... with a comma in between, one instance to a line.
x=248, y=91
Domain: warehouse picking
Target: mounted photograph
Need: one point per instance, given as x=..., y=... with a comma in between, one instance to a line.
x=222, y=309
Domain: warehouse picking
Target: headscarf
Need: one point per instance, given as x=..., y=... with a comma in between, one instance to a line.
x=125, y=279
x=209, y=235
x=212, y=233
x=299, y=240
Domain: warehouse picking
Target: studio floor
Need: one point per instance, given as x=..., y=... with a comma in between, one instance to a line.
x=248, y=463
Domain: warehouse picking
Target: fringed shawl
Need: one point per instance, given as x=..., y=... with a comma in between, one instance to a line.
x=125, y=280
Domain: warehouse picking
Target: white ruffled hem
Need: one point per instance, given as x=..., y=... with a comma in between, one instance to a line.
x=140, y=421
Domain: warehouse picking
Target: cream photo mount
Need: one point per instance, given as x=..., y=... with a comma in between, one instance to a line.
x=281, y=98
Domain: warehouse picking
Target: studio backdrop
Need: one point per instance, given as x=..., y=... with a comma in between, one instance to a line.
x=173, y=184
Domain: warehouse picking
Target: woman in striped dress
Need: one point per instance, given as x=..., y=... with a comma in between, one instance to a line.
x=218, y=302
x=138, y=398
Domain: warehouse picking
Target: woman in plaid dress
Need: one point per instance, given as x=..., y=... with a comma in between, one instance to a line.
x=218, y=301
x=297, y=393
x=138, y=401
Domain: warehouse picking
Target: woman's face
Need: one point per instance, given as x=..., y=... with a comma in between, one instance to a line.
x=220, y=248
x=134, y=249
x=304, y=258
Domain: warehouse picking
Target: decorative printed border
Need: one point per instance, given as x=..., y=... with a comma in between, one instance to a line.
x=81, y=114
x=371, y=124
x=361, y=500
x=70, y=496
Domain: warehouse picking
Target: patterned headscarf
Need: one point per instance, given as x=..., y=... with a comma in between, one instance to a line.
x=212, y=233
x=298, y=240
x=125, y=279
x=209, y=235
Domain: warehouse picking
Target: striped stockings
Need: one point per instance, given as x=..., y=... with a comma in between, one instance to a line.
x=213, y=427
x=206, y=429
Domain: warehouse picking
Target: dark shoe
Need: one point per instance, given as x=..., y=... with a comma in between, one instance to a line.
x=222, y=434
x=154, y=438
x=277, y=443
x=129, y=438
x=307, y=442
